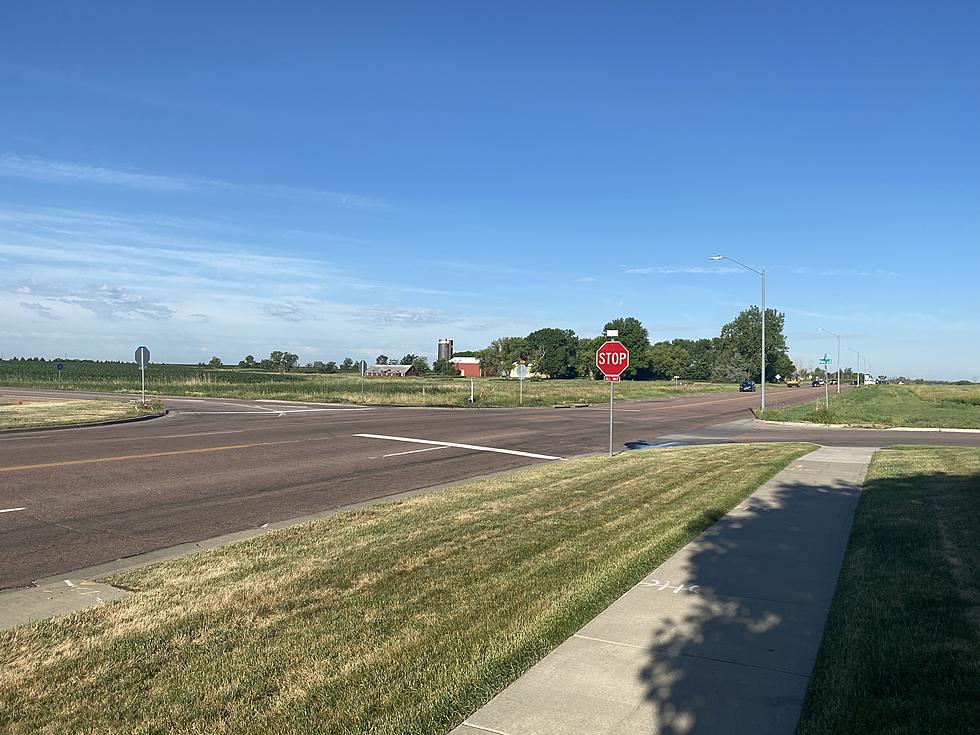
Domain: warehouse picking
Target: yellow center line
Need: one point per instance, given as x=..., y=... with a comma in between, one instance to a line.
x=126, y=457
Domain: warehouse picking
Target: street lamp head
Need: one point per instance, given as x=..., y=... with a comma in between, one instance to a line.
x=717, y=257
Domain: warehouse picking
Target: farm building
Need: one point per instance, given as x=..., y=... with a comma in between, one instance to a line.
x=392, y=371
x=468, y=367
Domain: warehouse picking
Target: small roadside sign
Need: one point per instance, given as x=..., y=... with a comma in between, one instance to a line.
x=143, y=359
x=612, y=378
x=521, y=372
x=362, y=367
x=61, y=366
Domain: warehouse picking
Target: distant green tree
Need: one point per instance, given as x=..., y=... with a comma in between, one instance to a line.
x=443, y=367
x=347, y=365
x=499, y=357
x=420, y=363
x=215, y=362
x=552, y=351
x=730, y=367
x=666, y=360
x=585, y=366
x=248, y=362
x=330, y=367
x=381, y=360
x=744, y=336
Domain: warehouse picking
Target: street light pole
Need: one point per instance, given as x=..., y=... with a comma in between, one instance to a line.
x=859, y=365
x=838, y=353
x=763, y=274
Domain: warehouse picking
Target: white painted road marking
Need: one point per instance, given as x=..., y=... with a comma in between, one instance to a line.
x=11, y=510
x=657, y=584
x=413, y=451
x=474, y=447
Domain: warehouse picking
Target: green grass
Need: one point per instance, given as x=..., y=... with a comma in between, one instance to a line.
x=901, y=652
x=943, y=406
x=190, y=380
x=399, y=618
x=38, y=414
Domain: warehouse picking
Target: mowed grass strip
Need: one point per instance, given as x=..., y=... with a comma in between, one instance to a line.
x=400, y=618
x=936, y=406
x=36, y=414
x=901, y=651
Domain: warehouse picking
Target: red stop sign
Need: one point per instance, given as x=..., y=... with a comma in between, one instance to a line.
x=612, y=358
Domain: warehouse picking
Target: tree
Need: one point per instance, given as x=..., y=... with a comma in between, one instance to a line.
x=499, y=357
x=330, y=367
x=552, y=351
x=215, y=362
x=381, y=360
x=636, y=339
x=729, y=367
x=248, y=362
x=666, y=360
x=585, y=366
x=347, y=366
x=744, y=336
x=280, y=360
x=701, y=356
x=443, y=367
x=420, y=364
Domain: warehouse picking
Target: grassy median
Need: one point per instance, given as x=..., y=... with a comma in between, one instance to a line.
x=39, y=414
x=942, y=406
x=901, y=652
x=400, y=618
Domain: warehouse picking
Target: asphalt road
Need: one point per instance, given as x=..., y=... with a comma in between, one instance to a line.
x=214, y=466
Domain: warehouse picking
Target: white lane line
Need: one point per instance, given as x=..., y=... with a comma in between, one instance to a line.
x=268, y=412
x=11, y=510
x=414, y=451
x=474, y=447
x=21, y=438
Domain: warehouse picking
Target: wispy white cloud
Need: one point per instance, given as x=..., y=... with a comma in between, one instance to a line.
x=587, y=279
x=677, y=269
x=100, y=299
x=39, y=309
x=69, y=172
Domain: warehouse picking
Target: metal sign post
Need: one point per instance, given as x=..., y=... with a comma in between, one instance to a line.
x=61, y=366
x=143, y=359
x=362, y=368
x=612, y=358
x=825, y=361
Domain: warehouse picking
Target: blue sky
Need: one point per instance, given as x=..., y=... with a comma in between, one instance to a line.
x=355, y=178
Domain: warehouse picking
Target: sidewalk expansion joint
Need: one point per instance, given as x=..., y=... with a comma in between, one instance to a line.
x=485, y=729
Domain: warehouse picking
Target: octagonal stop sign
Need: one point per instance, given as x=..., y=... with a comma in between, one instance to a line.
x=612, y=358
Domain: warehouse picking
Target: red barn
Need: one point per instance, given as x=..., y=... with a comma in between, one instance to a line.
x=468, y=367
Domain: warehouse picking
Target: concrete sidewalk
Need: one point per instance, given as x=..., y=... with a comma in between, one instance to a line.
x=721, y=638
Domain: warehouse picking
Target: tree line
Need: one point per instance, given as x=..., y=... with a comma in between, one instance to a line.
x=731, y=357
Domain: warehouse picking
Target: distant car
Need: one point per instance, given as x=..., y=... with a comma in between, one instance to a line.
x=792, y=382
x=854, y=382
x=816, y=383
x=833, y=381
x=747, y=387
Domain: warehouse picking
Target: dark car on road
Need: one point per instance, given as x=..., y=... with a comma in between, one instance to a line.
x=747, y=387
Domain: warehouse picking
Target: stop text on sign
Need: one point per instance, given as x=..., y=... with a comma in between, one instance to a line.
x=612, y=358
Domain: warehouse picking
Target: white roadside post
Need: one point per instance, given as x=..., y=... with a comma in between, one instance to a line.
x=362, y=368
x=612, y=358
x=142, y=359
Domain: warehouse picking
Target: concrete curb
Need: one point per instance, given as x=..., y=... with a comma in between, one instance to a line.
x=59, y=427
x=852, y=427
